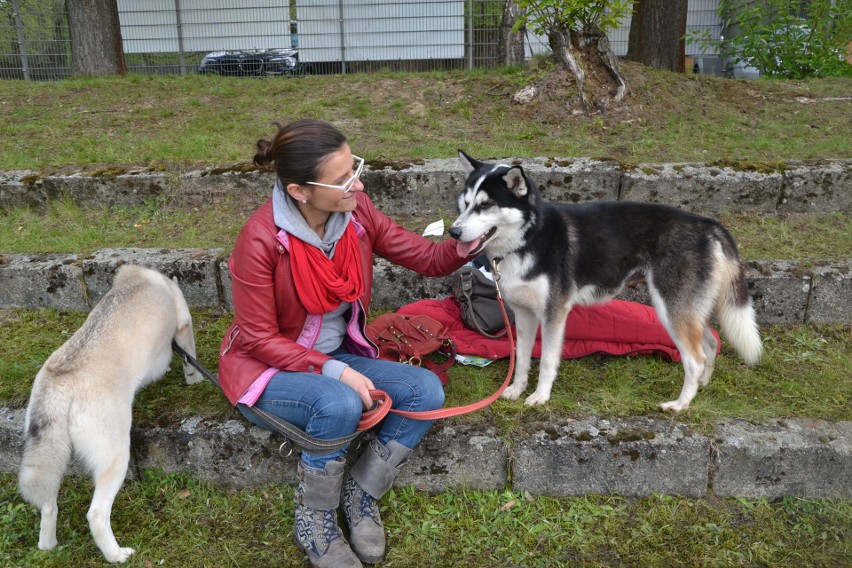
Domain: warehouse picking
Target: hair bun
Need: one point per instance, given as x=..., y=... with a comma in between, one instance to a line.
x=262, y=157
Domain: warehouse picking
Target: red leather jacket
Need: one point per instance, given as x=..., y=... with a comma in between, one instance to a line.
x=272, y=330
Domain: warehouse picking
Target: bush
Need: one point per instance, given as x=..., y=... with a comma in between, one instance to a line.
x=782, y=39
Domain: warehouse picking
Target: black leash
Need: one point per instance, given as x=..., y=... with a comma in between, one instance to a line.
x=293, y=435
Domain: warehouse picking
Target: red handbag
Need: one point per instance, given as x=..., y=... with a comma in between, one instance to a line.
x=409, y=339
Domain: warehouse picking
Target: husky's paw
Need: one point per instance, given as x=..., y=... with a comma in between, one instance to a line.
x=537, y=398
x=673, y=406
x=120, y=555
x=512, y=392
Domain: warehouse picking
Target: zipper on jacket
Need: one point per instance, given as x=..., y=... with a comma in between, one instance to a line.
x=231, y=337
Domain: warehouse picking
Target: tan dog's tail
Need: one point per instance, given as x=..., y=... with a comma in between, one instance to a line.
x=47, y=448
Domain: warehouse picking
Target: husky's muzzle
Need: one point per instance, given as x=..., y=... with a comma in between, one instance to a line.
x=474, y=247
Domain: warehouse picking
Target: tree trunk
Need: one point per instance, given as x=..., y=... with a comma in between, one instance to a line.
x=95, y=34
x=657, y=32
x=587, y=55
x=512, y=43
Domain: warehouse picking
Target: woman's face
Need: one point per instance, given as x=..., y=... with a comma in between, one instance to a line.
x=337, y=169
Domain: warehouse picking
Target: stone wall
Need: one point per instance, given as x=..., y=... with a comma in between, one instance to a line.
x=427, y=187
x=635, y=457
x=784, y=292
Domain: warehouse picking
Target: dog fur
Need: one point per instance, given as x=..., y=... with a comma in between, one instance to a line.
x=82, y=397
x=554, y=256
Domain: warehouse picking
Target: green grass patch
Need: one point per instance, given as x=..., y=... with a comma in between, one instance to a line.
x=792, y=236
x=65, y=227
x=178, y=122
x=806, y=373
x=178, y=521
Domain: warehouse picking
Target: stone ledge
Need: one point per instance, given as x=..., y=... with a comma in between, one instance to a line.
x=426, y=187
x=802, y=458
x=632, y=457
x=784, y=292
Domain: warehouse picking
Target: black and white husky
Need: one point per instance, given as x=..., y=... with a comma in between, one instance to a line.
x=82, y=397
x=553, y=256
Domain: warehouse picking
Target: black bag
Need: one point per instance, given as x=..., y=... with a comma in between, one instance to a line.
x=477, y=297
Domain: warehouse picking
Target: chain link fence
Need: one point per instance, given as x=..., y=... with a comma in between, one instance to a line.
x=282, y=37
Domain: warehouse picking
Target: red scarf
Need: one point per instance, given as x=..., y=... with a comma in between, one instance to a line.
x=322, y=283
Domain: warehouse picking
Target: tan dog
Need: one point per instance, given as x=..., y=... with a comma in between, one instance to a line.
x=83, y=395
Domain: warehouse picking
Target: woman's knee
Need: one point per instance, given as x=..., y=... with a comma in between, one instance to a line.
x=430, y=391
x=344, y=405
x=437, y=394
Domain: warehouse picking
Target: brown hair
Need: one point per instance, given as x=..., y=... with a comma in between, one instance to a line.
x=298, y=149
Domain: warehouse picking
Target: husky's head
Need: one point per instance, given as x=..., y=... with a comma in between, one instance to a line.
x=496, y=206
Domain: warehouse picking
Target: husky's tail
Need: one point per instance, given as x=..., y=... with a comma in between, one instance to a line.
x=735, y=312
x=47, y=448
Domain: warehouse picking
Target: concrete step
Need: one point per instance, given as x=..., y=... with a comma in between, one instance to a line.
x=784, y=292
x=630, y=457
x=428, y=187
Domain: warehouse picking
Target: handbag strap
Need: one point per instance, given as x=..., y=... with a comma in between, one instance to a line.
x=467, y=282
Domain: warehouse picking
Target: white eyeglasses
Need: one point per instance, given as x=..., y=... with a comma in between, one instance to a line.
x=348, y=184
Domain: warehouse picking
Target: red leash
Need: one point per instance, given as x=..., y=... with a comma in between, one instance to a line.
x=383, y=401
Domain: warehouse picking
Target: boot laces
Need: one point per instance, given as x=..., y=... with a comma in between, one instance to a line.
x=368, y=506
x=330, y=530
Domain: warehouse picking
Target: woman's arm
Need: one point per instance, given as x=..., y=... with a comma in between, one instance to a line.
x=401, y=246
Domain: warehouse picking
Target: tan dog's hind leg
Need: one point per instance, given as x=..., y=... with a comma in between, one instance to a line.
x=47, y=530
x=102, y=441
x=108, y=481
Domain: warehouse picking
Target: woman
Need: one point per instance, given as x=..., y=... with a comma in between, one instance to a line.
x=301, y=274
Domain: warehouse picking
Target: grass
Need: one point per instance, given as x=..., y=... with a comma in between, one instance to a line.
x=780, y=236
x=65, y=227
x=176, y=520
x=806, y=373
x=178, y=122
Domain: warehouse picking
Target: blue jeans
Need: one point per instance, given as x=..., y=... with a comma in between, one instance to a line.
x=326, y=408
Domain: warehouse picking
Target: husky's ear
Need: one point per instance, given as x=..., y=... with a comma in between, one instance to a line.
x=468, y=163
x=515, y=181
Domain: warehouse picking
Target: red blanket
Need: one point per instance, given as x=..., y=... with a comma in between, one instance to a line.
x=616, y=328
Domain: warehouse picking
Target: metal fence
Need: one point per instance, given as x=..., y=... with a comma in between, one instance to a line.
x=330, y=36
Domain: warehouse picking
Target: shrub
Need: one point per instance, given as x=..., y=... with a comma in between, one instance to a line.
x=783, y=39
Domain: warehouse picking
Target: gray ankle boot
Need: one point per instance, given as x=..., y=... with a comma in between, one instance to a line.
x=370, y=478
x=315, y=531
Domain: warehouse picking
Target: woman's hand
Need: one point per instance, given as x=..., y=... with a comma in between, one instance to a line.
x=360, y=383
